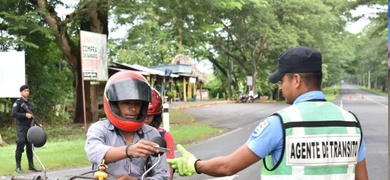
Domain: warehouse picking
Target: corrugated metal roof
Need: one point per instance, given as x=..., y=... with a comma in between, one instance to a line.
x=119, y=69
x=145, y=69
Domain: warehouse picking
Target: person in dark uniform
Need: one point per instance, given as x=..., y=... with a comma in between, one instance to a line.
x=24, y=121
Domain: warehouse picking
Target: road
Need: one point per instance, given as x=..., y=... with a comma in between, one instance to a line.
x=372, y=111
x=239, y=120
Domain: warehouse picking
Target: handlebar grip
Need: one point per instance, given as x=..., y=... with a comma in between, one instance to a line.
x=26, y=178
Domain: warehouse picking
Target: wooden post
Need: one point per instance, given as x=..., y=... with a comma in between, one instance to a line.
x=189, y=90
x=195, y=91
x=185, y=89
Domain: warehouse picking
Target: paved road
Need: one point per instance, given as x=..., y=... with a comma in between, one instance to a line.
x=372, y=111
x=240, y=120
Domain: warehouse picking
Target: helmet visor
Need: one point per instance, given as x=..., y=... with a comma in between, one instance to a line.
x=129, y=89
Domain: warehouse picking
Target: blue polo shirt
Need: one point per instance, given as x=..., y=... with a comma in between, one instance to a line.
x=267, y=138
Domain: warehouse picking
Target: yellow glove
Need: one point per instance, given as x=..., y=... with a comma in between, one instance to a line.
x=185, y=165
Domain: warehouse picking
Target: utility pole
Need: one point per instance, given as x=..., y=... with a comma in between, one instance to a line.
x=369, y=78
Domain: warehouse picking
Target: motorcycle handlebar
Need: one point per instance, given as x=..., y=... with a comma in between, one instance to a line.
x=40, y=178
x=26, y=178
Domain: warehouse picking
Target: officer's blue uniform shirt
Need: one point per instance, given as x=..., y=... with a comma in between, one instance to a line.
x=267, y=138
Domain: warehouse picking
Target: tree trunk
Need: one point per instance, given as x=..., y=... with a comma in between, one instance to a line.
x=2, y=143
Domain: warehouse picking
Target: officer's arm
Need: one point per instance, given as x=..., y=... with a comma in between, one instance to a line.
x=361, y=170
x=228, y=165
x=15, y=111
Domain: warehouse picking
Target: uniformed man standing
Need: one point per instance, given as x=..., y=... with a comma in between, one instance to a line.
x=24, y=121
x=311, y=139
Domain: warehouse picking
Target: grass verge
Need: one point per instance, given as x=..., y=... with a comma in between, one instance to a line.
x=375, y=91
x=54, y=155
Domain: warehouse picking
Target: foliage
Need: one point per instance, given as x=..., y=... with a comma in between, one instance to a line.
x=49, y=76
x=331, y=92
x=249, y=35
x=41, y=28
x=5, y=118
x=215, y=86
x=240, y=38
x=172, y=94
x=47, y=73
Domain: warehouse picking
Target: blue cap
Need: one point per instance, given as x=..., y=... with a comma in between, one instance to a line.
x=297, y=60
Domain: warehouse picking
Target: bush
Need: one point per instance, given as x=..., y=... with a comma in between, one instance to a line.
x=172, y=94
x=5, y=118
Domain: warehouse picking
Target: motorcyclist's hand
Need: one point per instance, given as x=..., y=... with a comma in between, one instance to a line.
x=142, y=148
x=185, y=165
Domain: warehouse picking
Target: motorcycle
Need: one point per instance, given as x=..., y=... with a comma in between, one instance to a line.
x=247, y=98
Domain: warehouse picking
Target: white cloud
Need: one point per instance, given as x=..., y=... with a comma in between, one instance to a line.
x=367, y=12
x=357, y=27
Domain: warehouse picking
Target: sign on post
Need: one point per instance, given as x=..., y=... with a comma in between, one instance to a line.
x=192, y=80
x=249, y=80
x=93, y=48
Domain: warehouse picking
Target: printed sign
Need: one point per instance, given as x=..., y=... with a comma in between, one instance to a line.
x=322, y=150
x=93, y=48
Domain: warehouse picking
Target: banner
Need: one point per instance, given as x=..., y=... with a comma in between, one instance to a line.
x=12, y=73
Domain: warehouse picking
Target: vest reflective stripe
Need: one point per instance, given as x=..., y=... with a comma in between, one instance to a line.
x=323, y=141
x=294, y=112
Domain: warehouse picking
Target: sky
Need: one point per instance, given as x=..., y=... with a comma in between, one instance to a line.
x=358, y=26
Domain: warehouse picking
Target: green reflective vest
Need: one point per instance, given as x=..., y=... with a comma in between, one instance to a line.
x=321, y=141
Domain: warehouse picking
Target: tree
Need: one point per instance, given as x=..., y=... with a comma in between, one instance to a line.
x=47, y=72
x=88, y=15
x=254, y=35
x=369, y=60
x=237, y=37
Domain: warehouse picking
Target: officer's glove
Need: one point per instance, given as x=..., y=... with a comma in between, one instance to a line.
x=185, y=165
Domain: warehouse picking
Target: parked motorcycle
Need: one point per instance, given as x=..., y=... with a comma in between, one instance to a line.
x=247, y=98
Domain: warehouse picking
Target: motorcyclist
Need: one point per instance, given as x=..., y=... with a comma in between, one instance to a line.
x=123, y=141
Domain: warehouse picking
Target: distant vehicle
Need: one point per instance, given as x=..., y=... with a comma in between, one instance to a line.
x=247, y=98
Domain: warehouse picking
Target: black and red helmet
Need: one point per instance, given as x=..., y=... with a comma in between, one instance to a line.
x=155, y=107
x=126, y=85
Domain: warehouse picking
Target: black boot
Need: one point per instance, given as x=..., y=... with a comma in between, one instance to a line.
x=32, y=168
x=18, y=168
x=18, y=159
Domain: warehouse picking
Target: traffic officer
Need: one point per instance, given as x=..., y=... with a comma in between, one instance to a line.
x=311, y=139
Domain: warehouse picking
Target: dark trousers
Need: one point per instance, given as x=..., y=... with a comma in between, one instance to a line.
x=21, y=142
